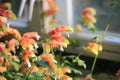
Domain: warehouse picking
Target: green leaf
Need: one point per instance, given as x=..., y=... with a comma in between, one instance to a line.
x=40, y=72
x=16, y=65
x=81, y=63
x=76, y=71
x=67, y=62
x=3, y=28
x=43, y=63
x=73, y=41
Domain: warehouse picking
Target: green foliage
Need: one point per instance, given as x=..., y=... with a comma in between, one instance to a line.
x=43, y=63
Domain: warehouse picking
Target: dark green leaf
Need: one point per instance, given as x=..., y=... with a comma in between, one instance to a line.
x=43, y=63
x=76, y=71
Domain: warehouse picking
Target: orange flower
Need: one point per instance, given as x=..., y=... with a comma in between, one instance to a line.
x=89, y=11
x=31, y=35
x=79, y=27
x=11, y=44
x=34, y=69
x=8, y=63
x=65, y=77
x=2, y=47
x=2, y=69
x=57, y=41
x=94, y=48
x=46, y=47
x=88, y=17
x=2, y=78
x=26, y=55
x=59, y=30
x=27, y=41
x=65, y=70
x=53, y=22
x=7, y=13
x=13, y=32
x=2, y=20
x=50, y=59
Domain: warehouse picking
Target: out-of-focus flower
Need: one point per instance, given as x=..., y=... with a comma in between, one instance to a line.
x=2, y=69
x=2, y=20
x=7, y=13
x=79, y=27
x=87, y=78
x=50, y=59
x=65, y=70
x=53, y=8
x=118, y=73
x=94, y=48
x=34, y=68
x=2, y=78
x=53, y=22
x=88, y=15
x=3, y=49
x=89, y=10
x=5, y=5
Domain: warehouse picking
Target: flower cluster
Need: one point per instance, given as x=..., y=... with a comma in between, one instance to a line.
x=88, y=17
x=19, y=57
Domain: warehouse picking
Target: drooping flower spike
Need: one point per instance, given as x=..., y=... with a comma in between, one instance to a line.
x=27, y=41
x=26, y=55
x=56, y=40
x=59, y=30
x=88, y=15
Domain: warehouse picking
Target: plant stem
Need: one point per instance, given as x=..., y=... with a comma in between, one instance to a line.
x=93, y=66
x=104, y=34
